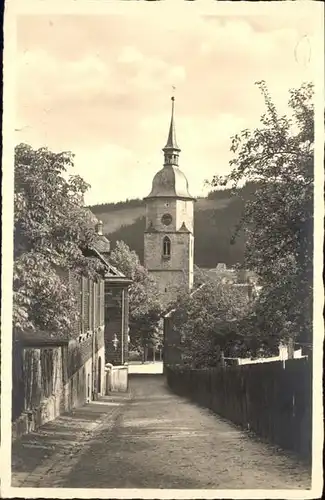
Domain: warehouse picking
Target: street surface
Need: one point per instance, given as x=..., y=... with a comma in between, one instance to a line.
x=150, y=438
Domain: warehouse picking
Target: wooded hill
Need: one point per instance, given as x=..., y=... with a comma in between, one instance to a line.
x=215, y=220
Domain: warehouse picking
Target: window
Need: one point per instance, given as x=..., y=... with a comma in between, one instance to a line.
x=166, y=247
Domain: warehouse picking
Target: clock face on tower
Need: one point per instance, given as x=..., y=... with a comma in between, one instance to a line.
x=166, y=219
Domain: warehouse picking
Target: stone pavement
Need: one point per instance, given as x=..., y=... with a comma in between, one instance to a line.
x=53, y=449
x=153, y=439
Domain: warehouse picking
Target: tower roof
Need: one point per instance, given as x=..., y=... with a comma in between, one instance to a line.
x=171, y=141
x=170, y=182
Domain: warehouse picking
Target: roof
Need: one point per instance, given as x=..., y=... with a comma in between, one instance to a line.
x=222, y=271
x=102, y=244
x=183, y=228
x=171, y=140
x=170, y=182
x=112, y=274
x=39, y=338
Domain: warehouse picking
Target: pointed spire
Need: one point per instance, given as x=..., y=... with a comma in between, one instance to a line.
x=171, y=141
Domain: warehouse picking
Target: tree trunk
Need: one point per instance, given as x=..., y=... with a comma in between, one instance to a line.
x=291, y=349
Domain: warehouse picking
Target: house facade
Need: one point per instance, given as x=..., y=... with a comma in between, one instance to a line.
x=116, y=302
x=116, y=312
x=53, y=374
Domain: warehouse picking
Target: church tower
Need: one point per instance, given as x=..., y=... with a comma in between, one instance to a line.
x=169, y=237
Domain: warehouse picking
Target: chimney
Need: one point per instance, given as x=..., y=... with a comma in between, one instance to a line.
x=99, y=228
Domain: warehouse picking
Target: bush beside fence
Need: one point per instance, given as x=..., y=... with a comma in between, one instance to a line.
x=272, y=399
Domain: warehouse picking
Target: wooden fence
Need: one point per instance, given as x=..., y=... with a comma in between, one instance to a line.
x=272, y=399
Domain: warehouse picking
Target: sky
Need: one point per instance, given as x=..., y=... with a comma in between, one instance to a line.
x=100, y=86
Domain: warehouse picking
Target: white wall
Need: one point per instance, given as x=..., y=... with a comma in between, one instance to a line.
x=282, y=356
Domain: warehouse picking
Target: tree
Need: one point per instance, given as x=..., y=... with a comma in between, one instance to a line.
x=200, y=277
x=278, y=221
x=145, y=308
x=206, y=322
x=51, y=229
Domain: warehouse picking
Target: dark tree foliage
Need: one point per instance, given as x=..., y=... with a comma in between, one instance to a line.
x=206, y=321
x=278, y=221
x=51, y=229
x=112, y=207
x=132, y=235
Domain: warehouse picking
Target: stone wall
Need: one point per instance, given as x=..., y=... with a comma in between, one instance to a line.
x=116, y=378
x=175, y=271
x=77, y=374
x=182, y=211
x=156, y=208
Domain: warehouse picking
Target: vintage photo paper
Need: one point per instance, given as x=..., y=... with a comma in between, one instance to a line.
x=162, y=249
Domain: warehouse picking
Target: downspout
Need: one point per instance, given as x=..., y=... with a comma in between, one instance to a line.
x=122, y=326
x=93, y=342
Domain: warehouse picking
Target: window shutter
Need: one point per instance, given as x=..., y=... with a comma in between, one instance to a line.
x=86, y=304
x=90, y=304
x=102, y=302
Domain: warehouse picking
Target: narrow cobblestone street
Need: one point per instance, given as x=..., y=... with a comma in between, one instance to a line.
x=150, y=439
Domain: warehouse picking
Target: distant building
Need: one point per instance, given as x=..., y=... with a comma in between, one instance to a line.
x=169, y=233
x=116, y=316
x=116, y=299
x=242, y=279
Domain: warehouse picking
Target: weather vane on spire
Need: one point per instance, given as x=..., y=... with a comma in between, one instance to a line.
x=173, y=96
